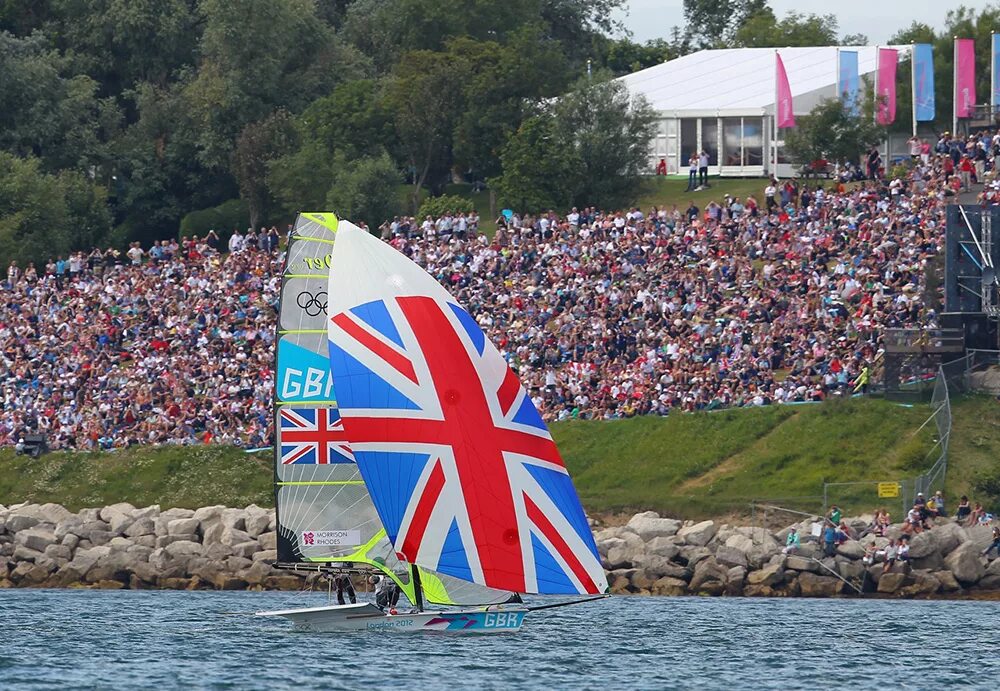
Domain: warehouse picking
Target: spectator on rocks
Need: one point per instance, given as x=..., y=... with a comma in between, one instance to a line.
x=995, y=545
x=834, y=515
x=964, y=510
x=792, y=543
x=977, y=515
x=829, y=539
x=914, y=522
x=939, y=510
x=891, y=552
x=903, y=549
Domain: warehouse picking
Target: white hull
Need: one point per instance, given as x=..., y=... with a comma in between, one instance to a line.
x=368, y=617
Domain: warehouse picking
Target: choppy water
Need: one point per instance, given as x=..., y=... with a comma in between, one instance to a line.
x=52, y=639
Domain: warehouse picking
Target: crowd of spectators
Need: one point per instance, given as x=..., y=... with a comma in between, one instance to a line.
x=746, y=302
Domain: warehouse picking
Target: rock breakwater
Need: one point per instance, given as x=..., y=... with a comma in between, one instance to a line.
x=662, y=556
x=122, y=546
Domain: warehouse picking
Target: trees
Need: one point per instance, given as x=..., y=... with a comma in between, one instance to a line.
x=764, y=30
x=43, y=214
x=590, y=147
x=712, y=23
x=258, y=144
x=365, y=189
x=832, y=132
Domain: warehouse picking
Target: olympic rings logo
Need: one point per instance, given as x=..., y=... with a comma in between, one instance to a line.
x=313, y=305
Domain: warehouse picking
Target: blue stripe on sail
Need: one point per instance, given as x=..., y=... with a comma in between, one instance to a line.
x=390, y=477
x=376, y=315
x=470, y=326
x=359, y=387
x=551, y=578
x=559, y=488
x=454, y=560
x=527, y=414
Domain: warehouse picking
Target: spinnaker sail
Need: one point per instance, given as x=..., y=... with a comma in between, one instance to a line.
x=461, y=468
x=324, y=511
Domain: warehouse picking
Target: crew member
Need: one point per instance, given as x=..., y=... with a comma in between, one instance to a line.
x=386, y=591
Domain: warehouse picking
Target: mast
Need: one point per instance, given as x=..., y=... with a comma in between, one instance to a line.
x=913, y=85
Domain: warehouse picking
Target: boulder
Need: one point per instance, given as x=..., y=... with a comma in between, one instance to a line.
x=182, y=526
x=811, y=585
x=734, y=580
x=141, y=552
x=932, y=562
x=669, y=586
x=166, y=566
x=35, y=538
x=850, y=569
x=218, y=551
x=799, y=563
x=266, y=555
x=16, y=522
x=657, y=567
x=27, y=574
x=768, y=575
x=59, y=552
x=663, y=547
x=144, y=525
x=234, y=518
x=891, y=582
x=183, y=548
x=208, y=512
x=171, y=514
x=949, y=536
x=255, y=574
x=708, y=569
x=116, y=566
x=924, y=583
x=991, y=579
x=691, y=555
x=268, y=540
x=924, y=544
x=45, y=513
x=649, y=525
x=621, y=555
x=740, y=542
x=68, y=526
x=851, y=549
x=981, y=536
x=965, y=563
x=947, y=580
x=211, y=530
x=119, y=544
x=257, y=520
x=22, y=553
x=84, y=559
x=245, y=549
x=619, y=580
x=730, y=556
x=164, y=540
x=699, y=533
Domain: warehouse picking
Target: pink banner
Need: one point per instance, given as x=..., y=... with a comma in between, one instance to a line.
x=783, y=101
x=965, y=77
x=886, y=113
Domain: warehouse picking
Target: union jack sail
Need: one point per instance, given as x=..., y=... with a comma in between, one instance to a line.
x=462, y=470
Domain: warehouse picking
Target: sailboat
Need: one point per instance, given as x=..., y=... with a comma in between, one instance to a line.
x=407, y=446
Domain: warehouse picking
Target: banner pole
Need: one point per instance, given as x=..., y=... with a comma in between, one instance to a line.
x=954, y=87
x=993, y=75
x=913, y=84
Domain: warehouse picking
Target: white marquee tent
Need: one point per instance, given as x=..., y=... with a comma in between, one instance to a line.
x=722, y=101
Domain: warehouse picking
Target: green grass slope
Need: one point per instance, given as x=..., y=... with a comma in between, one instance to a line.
x=706, y=464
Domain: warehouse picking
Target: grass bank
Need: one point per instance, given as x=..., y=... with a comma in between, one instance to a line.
x=707, y=464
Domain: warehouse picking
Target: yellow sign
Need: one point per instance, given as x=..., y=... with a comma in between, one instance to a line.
x=888, y=489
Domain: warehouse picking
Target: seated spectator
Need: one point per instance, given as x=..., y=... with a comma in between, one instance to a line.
x=914, y=522
x=964, y=510
x=977, y=515
x=891, y=552
x=792, y=542
x=903, y=549
x=995, y=545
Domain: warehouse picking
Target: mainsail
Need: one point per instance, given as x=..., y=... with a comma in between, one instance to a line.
x=324, y=511
x=460, y=466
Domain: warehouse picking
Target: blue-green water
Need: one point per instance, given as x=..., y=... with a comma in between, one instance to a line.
x=68, y=639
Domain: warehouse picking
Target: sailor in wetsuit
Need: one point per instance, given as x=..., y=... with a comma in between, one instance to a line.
x=343, y=583
x=386, y=591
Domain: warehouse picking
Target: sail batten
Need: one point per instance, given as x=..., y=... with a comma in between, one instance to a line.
x=462, y=471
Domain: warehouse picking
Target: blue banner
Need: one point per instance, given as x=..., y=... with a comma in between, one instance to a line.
x=995, y=96
x=848, y=82
x=923, y=82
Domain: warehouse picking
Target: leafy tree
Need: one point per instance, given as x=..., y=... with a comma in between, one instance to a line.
x=259, y=143
x=764, y=30
x=539, y=170
x=365, y=190
x=610, y=131
x=424, y=95
x=257, y=56
x=833, y=132
x=624, y=56
x=590, y=147
x=712, y=23
x=43, y=215
x=47, y=114
x=498, y=83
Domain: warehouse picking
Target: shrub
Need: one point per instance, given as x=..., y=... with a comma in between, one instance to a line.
x=222, y=218
x=445, y=204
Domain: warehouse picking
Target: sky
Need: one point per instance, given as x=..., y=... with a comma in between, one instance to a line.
x=878, y=20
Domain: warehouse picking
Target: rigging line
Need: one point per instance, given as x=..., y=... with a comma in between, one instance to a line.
x=320, y=482
x=279, y=403
x=302, y=331
x=305, y=276
x=571, y=602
